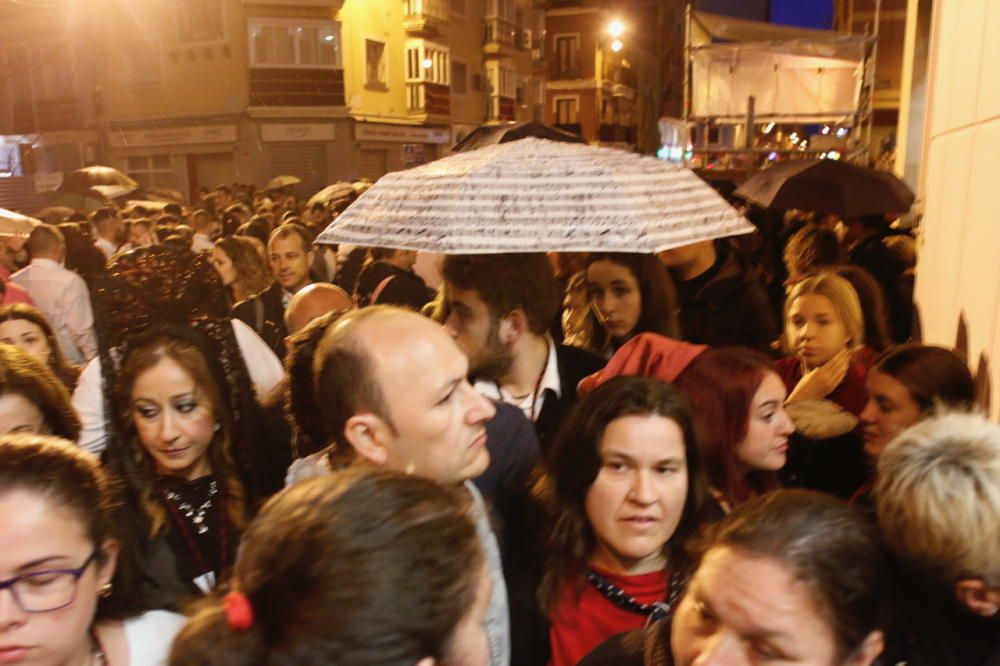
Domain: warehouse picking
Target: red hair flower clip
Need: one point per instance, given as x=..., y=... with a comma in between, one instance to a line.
x=239, y=613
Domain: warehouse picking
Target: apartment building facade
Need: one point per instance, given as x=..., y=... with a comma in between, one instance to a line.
x=189, y=94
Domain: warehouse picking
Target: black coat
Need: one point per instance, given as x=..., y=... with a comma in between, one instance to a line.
x=574, y=364
x=264, y=312
x=730, y=308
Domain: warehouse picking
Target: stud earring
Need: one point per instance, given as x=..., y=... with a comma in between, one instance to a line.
x=105, y=591
x=217, y=427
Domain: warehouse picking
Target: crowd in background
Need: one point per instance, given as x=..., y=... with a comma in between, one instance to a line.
x=278, y=452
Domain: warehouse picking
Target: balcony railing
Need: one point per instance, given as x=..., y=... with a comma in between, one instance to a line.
x=432, y=99
x=431, y=9
x=296, y=87
x=45, y=115
x=499, y=30
x=562, y=71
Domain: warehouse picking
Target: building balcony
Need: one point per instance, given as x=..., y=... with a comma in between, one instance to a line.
x=502, y=108
x=428, y=102
x=499, y=37
x=609, y=133
x=572, y=128
x=565, y=72
x=296, y=87
x=45, y=115
x=425, y=17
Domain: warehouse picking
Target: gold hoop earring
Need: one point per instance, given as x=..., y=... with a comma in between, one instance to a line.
x=105, y=591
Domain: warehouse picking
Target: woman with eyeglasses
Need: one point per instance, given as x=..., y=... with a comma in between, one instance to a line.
x=61, y=596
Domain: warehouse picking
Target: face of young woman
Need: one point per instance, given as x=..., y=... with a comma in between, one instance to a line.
x=766, y=445
x=741, y=610
x=814, y=330
x=615, y=294
x=637, y=499
x=18, y=414
x=891, y=409
x=27, y=335
x=36, y=537
x=174, y=420
x=223, y=265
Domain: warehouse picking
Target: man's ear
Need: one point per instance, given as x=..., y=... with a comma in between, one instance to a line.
x=366, y=433
x=978, y=597
x=106, y=571
x=513, y=326
x=870, y=649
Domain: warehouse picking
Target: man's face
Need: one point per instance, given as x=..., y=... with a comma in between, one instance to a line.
x=290, y=262
x=440, y=419
x=477, y=333
x=140, y=236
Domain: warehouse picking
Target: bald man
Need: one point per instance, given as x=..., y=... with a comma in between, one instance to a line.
x=313, y=301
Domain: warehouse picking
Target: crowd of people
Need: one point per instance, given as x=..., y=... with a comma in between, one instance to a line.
x=224, y=444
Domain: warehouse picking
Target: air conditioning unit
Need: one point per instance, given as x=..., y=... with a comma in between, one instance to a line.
x=526, y=38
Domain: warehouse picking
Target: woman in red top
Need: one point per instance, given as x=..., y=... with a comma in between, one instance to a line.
x=624, y=487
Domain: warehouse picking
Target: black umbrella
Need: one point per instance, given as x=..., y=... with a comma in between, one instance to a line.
x=488, y=135
x=828, y=186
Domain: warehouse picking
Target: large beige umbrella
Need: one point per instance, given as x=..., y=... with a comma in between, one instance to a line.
x=335, y=193
x=279, y=182
x=535, y=195
x=15, y=225
x=87, y=177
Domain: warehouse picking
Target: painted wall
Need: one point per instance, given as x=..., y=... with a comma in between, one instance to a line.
x=958, y=284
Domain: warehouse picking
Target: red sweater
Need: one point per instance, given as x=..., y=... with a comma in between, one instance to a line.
x=583, y=622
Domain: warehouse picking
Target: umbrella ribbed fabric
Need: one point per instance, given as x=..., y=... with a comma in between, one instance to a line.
x=535, y=195
x=14, y=224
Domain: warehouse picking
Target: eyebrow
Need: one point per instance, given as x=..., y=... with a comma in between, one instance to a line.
x=449, y=387
x=625, y=456
x=42, y=560
x=770, y=403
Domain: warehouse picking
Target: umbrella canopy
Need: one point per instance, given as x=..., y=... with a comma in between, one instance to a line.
x=113, y=191
x=488, y=135
x=83, y=201
x=828, y=186
x=55, y=212
x=87, y=177
x=15, y=225
x=339, y=191
x=536, y=195
x=148, y=204
x=279, y=182
x=163, y=194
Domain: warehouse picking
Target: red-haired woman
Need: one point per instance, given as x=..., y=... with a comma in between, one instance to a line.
x=737, y=402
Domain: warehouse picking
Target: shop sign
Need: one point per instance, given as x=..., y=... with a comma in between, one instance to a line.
x=48, y=182
x=298, y=132
x=401, y=133
x=172, y=136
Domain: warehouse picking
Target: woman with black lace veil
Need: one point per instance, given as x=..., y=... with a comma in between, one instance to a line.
x=183, y=423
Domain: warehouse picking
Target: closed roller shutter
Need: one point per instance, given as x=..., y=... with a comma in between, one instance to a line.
x=374, y=163
x=306, y=159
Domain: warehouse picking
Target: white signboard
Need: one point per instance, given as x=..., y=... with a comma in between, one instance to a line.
x=298, y=132
x=401, y=133
x=172, y=136
x=48, y=182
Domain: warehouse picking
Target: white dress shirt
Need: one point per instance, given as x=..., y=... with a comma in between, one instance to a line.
x=63, y=298
x=201, y=242
x=263, y=367
x=107, y=247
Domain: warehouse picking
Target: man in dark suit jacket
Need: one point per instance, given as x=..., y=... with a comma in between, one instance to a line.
x=290, y=254
x=498, y=307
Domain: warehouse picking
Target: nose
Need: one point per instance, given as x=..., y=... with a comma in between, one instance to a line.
x=721, y=649
x=642, y=488
x=10, y=611
x=867, y=415
x=786, y=425
x=168, y=427
x=479, y=409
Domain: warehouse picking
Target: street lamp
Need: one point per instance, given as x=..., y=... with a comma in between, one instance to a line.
x=616, y=28
x=616, y=45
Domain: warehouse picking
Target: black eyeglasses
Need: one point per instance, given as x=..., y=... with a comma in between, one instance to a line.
x=44, y=591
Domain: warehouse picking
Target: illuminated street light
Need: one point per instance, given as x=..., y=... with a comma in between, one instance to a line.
x=842, y=132
x=428, y=63
x=768, y=128
x=616, y=45
x=616, y=28
x=825, y=130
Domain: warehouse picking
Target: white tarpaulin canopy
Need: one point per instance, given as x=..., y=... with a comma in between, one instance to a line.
x=794, y=75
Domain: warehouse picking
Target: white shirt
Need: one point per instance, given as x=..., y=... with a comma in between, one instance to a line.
x=201, y=242
x=263, y=367
x=532, y=403
x=107, y=247
x=150, y=635
x=63, y=298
